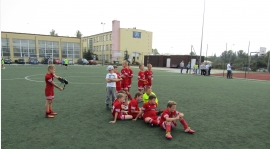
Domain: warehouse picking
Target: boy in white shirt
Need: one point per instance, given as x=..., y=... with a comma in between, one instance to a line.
x=111, y=78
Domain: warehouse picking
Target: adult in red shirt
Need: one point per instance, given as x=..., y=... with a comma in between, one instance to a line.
x=130, y=77
x=125, y=78
x=118, y=83
x=148, y=112
x=149, y=75
x=169, y=117
x=141, y=78
x=117, y=112
x=133, y=106
x=49, y=90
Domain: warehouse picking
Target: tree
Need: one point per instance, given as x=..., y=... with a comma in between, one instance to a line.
x=88, y=55
x=52, y=33
x=78, y=34
x=155, y=51
x=192, y=53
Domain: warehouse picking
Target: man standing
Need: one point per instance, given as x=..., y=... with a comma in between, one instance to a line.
x=188, y=67
x=207, y=69
x=66, y=63
x=229, y=70
x=182, y=66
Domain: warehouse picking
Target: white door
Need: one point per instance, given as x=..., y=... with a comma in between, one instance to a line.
x=193, y=62
x=168, y=64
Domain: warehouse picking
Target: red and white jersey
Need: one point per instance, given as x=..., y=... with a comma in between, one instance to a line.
x=118, y=83
x=141, y=76
x=125, y=74
x=133, y=105
x=167, y=114
x=149, y=109
x=130, y=75
x=148, y=74
x=116, y=107
x=48, y=80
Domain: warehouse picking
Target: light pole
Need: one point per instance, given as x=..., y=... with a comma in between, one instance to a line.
x=202, y=37
x=103, y=44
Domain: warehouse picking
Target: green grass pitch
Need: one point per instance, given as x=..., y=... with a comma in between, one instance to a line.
x=232, y=113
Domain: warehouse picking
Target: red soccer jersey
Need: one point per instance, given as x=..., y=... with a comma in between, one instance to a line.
x=48, y=80
x=148, y=76
x=133, y=105
x=141, y=76
x=168, y=114
x=118, y=84
x=116, y=107
x=130, y=77
x=124, y=75
x=149, y=110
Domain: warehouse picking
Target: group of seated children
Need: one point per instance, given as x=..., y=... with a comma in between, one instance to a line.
x=148, y=112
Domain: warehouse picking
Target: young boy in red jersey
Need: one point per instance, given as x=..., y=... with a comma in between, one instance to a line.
x=125, y=78
x=130, y=77
x=125, y=103
x=148, y=112
x=169, y=117
x=49, y=90
x=133, y=107
x=117, y=112
x=118, y=83
x=141, y=78
x=149, y=75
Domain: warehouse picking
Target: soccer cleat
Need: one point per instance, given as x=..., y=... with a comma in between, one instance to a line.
x=151, y=125
x=168, y=135
x=188, y=130
x=53, y=113
x=108, y=107
x=49, y=116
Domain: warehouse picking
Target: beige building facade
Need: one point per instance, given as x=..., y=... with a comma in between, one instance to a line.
x=114, y=44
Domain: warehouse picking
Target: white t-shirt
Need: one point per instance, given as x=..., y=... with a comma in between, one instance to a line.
x=229, y=67
x=111, y=76
x=207, y=66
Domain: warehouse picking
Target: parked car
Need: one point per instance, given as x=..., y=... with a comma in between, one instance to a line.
x=21, y=61
x=92, y=62
x=70, y=62
x=261, y=70
x=33, y=61
x=57, y=61
x=7, y=61
x=82, y=61
x=174, y=66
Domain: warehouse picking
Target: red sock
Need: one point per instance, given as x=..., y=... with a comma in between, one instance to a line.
x=48, y=112
x=155, y=122
x=184, y=123
x=129, y=96
x=168, y=128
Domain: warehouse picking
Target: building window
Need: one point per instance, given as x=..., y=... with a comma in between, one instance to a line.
x=104, y=38
x=110, y=36
x=110, y=46
x=48, y=48
x=70, y=50
x=101, y=47
x=23, y=48
x=97, y=39
x=107, y=36
x=5, y=46
x=107, y=48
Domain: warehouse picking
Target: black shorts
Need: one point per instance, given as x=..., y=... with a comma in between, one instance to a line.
x=66, y=64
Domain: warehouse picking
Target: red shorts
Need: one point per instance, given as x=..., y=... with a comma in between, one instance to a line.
x=134, y=115
x=140, y=85
x=118, y=88
x=124, y=86
x=120, y=116
x=163, y=125
x=149, y=83
x=49, y=93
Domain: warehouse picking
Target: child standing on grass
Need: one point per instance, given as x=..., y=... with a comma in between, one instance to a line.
x=118, y=83
x=149, y=75
x=3, y=63
x=117, y=112
x=49, y=90
x=111, y=78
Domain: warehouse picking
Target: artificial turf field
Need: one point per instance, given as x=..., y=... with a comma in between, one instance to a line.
x=224, y=113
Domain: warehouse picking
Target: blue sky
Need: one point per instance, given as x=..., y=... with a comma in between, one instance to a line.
x=176, y=24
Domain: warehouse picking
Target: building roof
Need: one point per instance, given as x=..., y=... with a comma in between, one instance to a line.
x=36, y=34
x=97, y=34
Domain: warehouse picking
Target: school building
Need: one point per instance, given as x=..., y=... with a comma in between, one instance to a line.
x=114, y=43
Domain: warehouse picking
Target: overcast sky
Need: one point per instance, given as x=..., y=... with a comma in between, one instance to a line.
x=176, y=24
